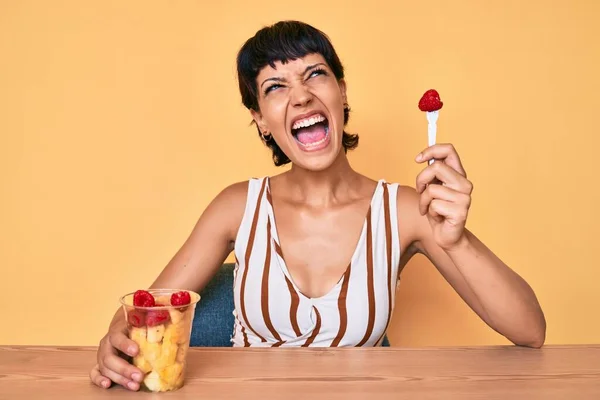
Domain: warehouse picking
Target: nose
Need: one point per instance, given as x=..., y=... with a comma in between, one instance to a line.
x=300, y=96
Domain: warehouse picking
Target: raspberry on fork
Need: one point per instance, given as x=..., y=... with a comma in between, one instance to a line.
x=430, y=101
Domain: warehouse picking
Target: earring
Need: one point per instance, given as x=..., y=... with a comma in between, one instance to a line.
x=265, y=136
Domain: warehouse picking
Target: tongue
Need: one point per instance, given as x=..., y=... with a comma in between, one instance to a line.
x=311, y=134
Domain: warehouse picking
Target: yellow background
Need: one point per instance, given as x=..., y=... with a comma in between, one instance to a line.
x=121, y=120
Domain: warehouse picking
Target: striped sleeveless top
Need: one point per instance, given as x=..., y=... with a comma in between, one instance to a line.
x=270, y=311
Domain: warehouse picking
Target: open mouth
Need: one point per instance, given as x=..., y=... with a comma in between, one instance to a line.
x=311, y=133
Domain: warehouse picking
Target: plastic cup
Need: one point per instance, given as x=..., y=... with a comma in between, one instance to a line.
x=163, y=336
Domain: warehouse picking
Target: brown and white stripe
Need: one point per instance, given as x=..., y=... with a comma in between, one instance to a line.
x=370, y=282
x=342, y=309
x=271, y=311
x=388, y=253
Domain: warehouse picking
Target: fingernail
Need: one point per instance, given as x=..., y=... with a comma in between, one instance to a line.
x=105, y=384
x=132, y=385
x=136, y=376
x=131, y=350
x=419, y=157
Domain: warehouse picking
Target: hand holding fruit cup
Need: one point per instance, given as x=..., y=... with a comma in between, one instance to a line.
x=159, y=321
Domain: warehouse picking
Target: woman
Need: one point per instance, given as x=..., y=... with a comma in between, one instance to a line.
x=321, y=242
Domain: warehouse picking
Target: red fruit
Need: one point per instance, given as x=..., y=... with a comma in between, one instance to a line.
x=181, y=298
x=142, y=298
x=430, y=101
x=157, y=317
x=136, y=318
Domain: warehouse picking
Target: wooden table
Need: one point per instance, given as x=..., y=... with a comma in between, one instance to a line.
x=553, y=372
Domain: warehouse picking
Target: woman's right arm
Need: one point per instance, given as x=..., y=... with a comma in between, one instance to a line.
x=192, y=267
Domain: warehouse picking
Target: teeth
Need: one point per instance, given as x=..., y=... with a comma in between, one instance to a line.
x=308, y=122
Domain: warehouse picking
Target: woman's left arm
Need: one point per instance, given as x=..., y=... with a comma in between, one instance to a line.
x=498, y=294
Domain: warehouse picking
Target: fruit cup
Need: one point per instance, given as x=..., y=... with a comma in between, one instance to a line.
x=160, y=322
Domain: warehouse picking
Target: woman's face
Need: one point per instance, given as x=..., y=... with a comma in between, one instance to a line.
x=302, y=105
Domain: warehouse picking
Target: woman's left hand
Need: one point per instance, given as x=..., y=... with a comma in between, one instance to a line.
x=445, y=194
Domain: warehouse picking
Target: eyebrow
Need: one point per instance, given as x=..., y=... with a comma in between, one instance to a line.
x=277, y=79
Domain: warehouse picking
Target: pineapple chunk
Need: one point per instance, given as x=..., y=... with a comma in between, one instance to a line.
x=164, y=300
x=179, y=382
x=143, y=364
x=152, y=352
x=155, y=333
x=181, y=352
x=176, y=315
x=167, y=356
x=154, y=383
x=138, y=335
x=170, y=374
x=177, y=333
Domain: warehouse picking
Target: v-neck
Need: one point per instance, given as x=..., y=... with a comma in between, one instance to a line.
x=281, y=261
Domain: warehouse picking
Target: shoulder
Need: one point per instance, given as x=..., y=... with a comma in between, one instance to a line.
x=233, y=194
x=227, y=208
x=407, y=196
x=236, y=194
x=233, y=202
x=407, y=208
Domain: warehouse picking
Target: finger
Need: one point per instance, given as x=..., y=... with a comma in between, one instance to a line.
x=121, y=342
x=98, y=379
x=445, y=174
x=440, y=192
x=444, y=152
x=453, y=213
x=119, y=379
x=123, y=368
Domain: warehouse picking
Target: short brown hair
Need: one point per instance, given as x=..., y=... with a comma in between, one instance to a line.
x=284, y=41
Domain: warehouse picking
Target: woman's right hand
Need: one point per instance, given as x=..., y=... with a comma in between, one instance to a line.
x=112, y=367
x=191, y=268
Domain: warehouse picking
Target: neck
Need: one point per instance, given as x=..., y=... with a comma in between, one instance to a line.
x=323, y=188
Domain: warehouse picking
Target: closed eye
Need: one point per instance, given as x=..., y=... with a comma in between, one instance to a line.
x=317, y=72
x=271, y=88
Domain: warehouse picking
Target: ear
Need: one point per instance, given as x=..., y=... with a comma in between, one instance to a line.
x=259, y=120
x=342, y=84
